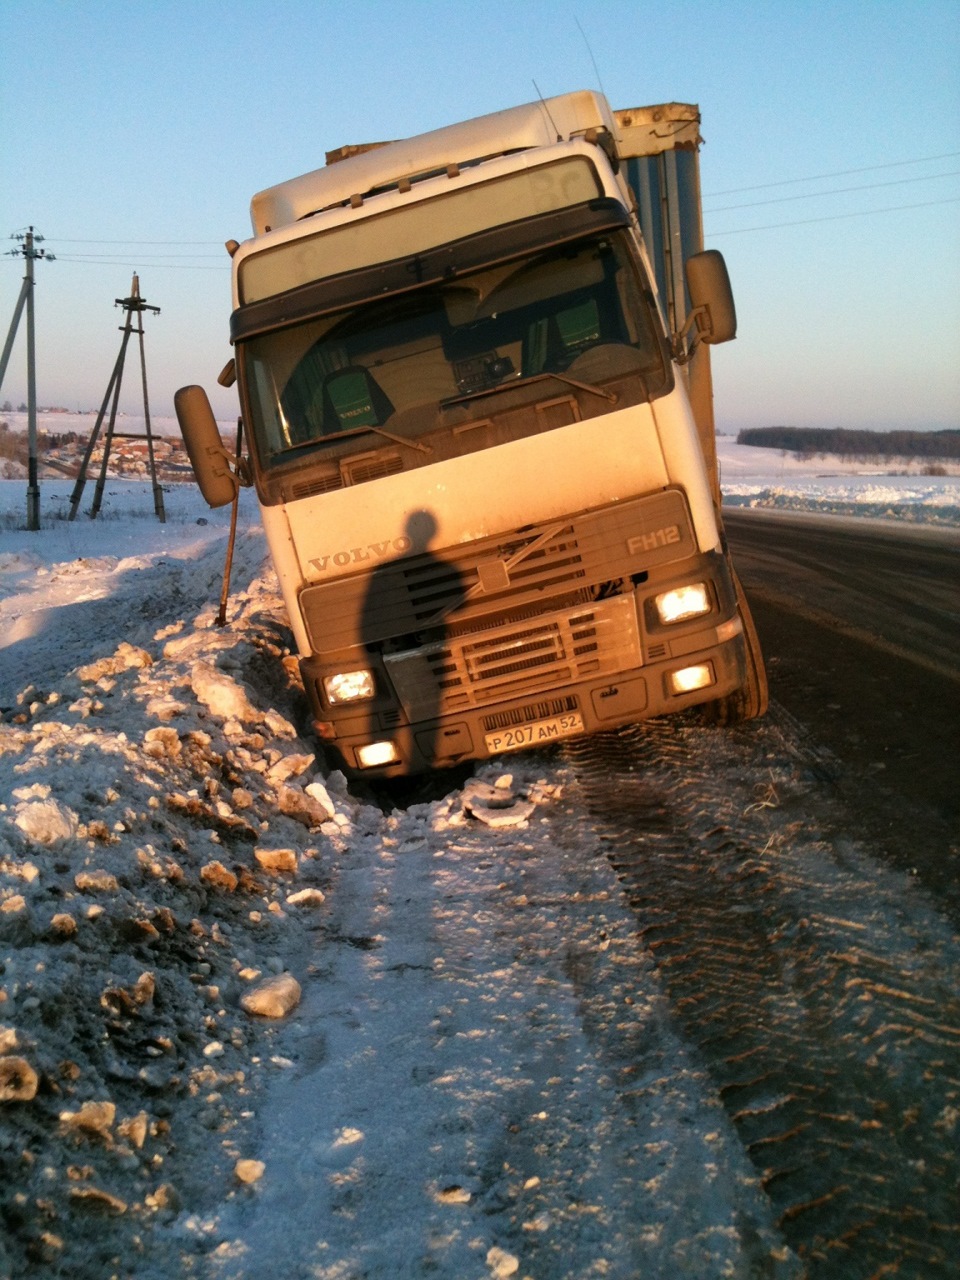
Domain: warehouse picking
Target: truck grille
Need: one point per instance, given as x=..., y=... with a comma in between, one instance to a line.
x=554, y=564
x=350, y=471
x=513, y=581
x=559, y=649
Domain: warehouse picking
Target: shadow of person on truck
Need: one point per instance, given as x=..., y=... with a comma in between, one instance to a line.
x=406, y=609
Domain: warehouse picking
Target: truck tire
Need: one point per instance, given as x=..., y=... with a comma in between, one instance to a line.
x=753, y=697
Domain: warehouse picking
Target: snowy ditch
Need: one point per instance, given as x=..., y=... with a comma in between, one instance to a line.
x=170, y=849
x=472, y=1069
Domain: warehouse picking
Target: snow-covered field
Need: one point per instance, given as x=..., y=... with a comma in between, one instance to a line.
x=769, y=478
x=169, y=842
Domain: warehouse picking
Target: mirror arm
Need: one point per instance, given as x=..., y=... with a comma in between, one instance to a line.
x=225, y=463
x=238, y=469
x=678, y=344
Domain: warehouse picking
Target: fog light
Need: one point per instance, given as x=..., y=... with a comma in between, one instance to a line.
x=348, y=686
x=683, y=603
x=687, y=679
x=375, y=753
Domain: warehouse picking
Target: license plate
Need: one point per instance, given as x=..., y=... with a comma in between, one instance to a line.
x=534, y=735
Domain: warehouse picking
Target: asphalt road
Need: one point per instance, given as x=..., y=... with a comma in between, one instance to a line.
x=859, y=621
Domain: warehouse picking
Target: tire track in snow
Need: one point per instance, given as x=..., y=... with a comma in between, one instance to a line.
x=819, y=990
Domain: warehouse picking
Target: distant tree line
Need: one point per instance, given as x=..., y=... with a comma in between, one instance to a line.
x=811, y=442
x=13, y=444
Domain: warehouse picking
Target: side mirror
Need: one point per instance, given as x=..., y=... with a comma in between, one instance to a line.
x=208, y=457
x=711, y=296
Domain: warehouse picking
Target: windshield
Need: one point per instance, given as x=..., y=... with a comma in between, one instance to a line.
x=557, y=321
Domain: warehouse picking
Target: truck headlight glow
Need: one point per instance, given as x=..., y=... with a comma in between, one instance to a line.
x=375, y=753
x=348, y=686
x=683, y=603
x=687, y=679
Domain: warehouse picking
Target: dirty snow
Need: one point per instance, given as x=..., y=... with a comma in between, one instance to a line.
x=250, y=1024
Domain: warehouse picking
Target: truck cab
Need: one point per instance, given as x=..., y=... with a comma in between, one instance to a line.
x=474, y=371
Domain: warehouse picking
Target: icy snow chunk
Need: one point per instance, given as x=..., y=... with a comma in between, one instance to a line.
x=98, y=1200
x=337, y=782
x=93, y=1117
x=307, y=898
x=46, y=821
x=278, y=725
x=453, y=1194
x=276, y=860
x=221, y=693
x=126, y=657
x=348, y=1137
x=162, y=742
x=38, y=791
x=317, y=791
x=216, y=874
x=272, y=998
x=288, y=767
x=18, y=1080
x=501, y=1263
x=496, y=805
x=96, y=882
x=165, y=707
x=249, y=1171
x=63, y=925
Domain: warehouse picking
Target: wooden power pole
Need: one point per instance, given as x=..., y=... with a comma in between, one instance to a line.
x=28, y=242
x=134, y=306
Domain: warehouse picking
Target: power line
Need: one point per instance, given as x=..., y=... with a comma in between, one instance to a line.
x=818, y=195
x=834, y=217
x=62, y=240
x=139, y=263
x=123, y=257
x=839, y=173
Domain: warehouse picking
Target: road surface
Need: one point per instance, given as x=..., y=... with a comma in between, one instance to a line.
x=860, y=622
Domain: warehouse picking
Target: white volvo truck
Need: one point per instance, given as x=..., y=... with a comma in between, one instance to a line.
x=474, y=376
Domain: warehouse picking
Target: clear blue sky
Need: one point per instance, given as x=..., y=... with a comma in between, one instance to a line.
x=132, y=136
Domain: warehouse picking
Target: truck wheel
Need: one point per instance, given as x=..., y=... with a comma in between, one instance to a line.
x=753, y=697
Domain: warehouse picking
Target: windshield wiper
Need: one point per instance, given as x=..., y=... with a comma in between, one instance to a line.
x=533, y=377
x=354, y=431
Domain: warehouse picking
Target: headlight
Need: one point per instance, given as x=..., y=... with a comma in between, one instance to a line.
x=687, y=679
x=683, y=603
x=375, y=753
x=348, y=686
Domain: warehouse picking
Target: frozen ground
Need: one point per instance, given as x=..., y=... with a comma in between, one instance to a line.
x=168, y=841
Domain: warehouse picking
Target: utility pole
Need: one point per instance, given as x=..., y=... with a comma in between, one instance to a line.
x=133, y=306
x=28, y=242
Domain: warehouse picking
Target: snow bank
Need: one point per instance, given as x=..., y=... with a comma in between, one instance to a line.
x=161, y=865
x=751, y=477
